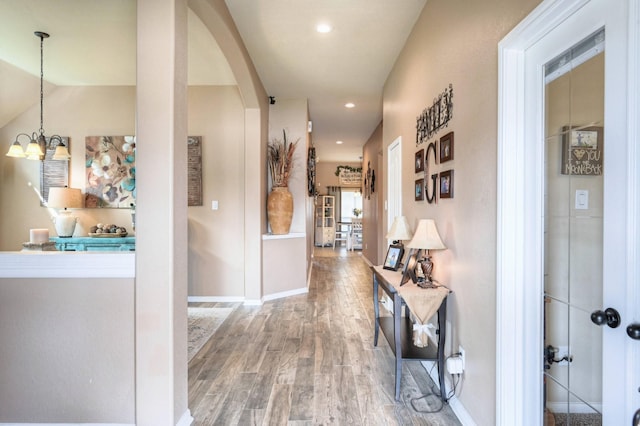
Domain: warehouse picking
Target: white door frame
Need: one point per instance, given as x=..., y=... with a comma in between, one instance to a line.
x=519, y=214
x=394, y=181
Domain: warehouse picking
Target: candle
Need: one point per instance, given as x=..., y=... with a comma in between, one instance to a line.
x=38, y=236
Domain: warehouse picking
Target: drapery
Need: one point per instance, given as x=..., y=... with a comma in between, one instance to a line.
x=336, y=191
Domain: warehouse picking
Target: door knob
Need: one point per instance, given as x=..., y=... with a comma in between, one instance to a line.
x=609, y=316
x=633, y=331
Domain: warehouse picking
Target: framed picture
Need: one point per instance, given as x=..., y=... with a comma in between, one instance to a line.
x=582, y=151
x=110, y=171
x=419, y=191
x=446, y=147
x=446, y=184
x=408, y=272
x=394, y=257
x=420, y=161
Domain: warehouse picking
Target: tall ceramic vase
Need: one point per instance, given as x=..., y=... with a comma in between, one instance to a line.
x=280, y=210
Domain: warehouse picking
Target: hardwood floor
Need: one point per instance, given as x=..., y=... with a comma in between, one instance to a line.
x=309, y=360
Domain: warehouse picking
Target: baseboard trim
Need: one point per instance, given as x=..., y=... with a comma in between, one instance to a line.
x=229, y=299
x=285, y=294
x=68, y=424
x=186, y=419
x=456, y=406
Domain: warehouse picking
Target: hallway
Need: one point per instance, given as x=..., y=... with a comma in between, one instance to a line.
x=309, y=360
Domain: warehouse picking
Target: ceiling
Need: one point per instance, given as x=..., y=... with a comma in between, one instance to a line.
x=93, y=43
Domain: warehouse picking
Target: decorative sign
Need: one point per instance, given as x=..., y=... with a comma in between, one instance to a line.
x=435, y=117
x=350, y=178
x=53, y=172
x=194, y=170
x=582, y=151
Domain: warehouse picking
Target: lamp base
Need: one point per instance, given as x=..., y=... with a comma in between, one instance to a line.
x=65, y=224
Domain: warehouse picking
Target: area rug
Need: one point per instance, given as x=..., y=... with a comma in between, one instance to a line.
x=203, y=322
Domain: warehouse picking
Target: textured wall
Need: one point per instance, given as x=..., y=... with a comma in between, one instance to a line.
x=455, y=42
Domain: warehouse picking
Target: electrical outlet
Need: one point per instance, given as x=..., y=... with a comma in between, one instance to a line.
x=461, y=350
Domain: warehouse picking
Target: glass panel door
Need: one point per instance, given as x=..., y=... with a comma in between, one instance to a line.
x=573, y=220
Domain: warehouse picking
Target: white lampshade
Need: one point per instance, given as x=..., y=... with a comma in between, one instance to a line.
x=426, y=236
x=400, y=229
x=62, y=153
x=64, y=198
x=16, y=150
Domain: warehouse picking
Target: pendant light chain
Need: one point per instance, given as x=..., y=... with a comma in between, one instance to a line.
x=41, y=35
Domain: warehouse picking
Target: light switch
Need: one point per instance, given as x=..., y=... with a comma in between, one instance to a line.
x=582, y=199
x=214, y=205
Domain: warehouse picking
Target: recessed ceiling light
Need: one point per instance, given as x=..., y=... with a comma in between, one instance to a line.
x=324, y=28
x=339, y=142
x=349, y=105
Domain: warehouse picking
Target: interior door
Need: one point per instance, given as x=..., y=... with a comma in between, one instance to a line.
x=585, y=210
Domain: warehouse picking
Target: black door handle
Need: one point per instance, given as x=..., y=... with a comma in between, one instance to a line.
x=609, y=316
x=636, y=419
x=633, y=331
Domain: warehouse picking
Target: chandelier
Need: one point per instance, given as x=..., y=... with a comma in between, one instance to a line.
x=38, y=142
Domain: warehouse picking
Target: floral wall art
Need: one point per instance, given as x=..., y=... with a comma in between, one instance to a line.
x=111, y=171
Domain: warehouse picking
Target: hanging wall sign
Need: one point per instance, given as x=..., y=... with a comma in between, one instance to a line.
x=435, y=117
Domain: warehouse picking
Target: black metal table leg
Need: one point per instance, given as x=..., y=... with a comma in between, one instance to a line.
x=397, y=316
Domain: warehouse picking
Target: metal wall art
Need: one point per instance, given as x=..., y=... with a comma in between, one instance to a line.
x=435, y=117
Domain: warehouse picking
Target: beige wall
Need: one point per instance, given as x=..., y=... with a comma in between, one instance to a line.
x=373, y=232
x=455, y=42
x=61, y=361
x=216, y=237
x=326, y=175
x=292, y=116
x=75, y=112
x=286, y=259
x=215, y=112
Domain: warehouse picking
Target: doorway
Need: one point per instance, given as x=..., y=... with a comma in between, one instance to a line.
x=554, y=27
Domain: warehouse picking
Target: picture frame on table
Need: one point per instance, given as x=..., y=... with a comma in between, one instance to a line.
x=446, y=184
x=419, y=161
x=446, y=147
x=408, y=272
x=394, y=257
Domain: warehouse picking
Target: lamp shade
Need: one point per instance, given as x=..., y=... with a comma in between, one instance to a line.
x=65, y=198
x=426, y=236
x=400, y=229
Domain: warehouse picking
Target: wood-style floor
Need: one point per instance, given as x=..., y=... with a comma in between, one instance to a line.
x=309, y=360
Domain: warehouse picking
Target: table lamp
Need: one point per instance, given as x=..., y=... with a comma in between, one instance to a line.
x=65, y=198
x=426, y=238
x=400, y=230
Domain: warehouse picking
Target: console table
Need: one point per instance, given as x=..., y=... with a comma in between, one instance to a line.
x=95, y=244
x=399, y=337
